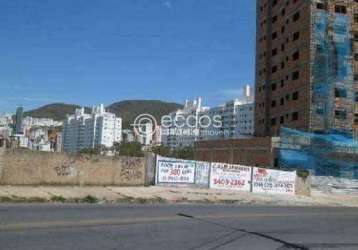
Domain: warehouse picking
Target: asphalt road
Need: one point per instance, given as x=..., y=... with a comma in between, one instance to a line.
x=49, y=226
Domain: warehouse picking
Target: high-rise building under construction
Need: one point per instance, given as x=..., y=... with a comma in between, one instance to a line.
x=306, y=65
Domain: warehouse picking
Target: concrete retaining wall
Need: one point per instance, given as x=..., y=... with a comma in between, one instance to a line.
x=303, y=185
x=18, y=167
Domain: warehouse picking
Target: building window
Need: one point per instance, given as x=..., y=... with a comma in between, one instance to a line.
x=355, y=119
x=274, y=19
x=340, y=114
x=296, y=36
x=356, y=18
x=355, y=56
x=274, y=35
x=340, y=93
x=296, y=56
x=320, y=6
x=341, y=9
x=355, y=36
x=295, y=75
x=282, y=120
x=295, y=116
x=274, y=69
x=282, y=101
x=295, y=96
x=273, y=86
x=282, y=65
x=274, y=52
x=296, y=16
x=273, y=104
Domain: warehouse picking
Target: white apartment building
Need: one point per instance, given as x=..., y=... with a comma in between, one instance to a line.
x=157, y=137
x=234, y=119
x=183, y=131
x=29, y=122
x=5, y=132
x=237, y=118
x=128, y=135
x=145, y=135
x=100, y=128
x=213, y=129
x=5, y=120
x=244, y=119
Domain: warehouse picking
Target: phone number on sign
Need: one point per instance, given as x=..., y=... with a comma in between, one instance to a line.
x=229, y=182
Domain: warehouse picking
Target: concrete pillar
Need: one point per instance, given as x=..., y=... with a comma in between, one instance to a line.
x=150, y=167
x=231, y=156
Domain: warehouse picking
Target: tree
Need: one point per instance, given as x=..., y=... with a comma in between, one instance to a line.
x=133, y=149
x=186, y=153
x=90, y=151
x=162, y=150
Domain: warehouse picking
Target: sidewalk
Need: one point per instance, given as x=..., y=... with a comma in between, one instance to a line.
x=156, y=194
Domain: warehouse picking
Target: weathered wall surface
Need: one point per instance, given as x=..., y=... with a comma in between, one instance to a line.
x=303, y=185
x=256, y=151
x=37, y=168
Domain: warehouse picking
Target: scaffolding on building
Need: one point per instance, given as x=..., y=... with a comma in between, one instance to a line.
x=330, y=154
x=332, y=72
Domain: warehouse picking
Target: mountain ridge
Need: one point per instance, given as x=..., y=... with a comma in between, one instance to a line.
x=126, y=109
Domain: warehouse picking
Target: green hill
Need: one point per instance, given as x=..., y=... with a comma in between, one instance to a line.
x=56, y=111
x=130, y=109
x=127, y=110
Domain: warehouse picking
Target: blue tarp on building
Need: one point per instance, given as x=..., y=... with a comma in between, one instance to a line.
x=331, y=154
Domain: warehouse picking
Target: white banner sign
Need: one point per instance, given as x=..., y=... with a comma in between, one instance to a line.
x=273, y=181
x=228, y=176
x=175, y=171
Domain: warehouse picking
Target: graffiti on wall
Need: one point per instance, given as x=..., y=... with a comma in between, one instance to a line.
x=66, y=168
x=132, y=169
